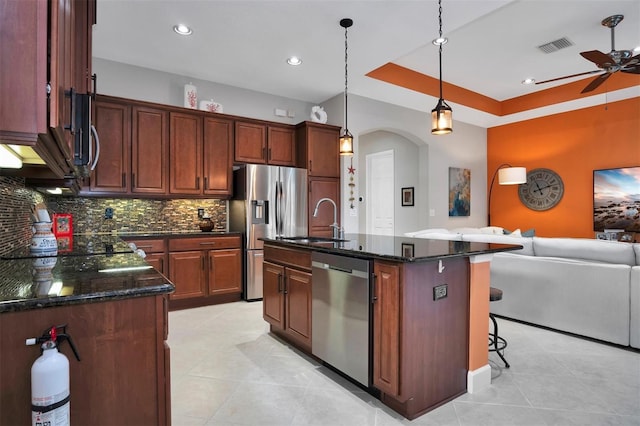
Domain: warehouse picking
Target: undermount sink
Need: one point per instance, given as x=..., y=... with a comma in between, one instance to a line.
x=314, y=239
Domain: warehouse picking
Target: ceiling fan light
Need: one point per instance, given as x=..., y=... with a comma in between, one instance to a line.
x=441, y=119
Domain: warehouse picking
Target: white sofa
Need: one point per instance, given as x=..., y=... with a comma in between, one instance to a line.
x=578, y=285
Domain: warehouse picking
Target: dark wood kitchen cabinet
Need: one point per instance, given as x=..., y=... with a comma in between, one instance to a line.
x=149, y=150
x=200, y=155
x=323, y=188
x=259, y=143
x=45, y=46
x=416, y=377
x=205, y=270
x=156, y=251
x=318, y=149
x=113, y=123
x=123, y=377
x=287, y=293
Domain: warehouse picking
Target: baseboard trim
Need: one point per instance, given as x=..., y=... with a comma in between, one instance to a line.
x=479, y=379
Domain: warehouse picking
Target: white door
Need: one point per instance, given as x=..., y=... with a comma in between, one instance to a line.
x=380, y=193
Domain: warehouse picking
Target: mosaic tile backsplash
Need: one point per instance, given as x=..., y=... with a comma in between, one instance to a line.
x=129, y=215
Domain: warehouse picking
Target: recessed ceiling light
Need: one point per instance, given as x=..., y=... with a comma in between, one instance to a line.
x=182, y=29
x=294, y=60
x=440, y=40
x=528, y=81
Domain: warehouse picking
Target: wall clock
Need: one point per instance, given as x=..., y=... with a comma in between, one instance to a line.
x=543, y=190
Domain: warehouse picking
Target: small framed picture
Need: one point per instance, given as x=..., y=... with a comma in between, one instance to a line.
x=407, y=196
x=408, y=250
x=625, y=237
x=602, y=236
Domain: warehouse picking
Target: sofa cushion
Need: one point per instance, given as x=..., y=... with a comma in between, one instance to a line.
x=586, y=249
x=438, y=236
x=526, y=243
x=421, y=232
x=636, y=248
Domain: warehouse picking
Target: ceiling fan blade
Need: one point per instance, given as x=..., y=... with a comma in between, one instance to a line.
x=632, y=70
x=568, y=76
x=602, y=60
x=596, y=82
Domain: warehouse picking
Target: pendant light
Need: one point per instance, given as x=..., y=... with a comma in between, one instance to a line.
x=346, y=139
x=441, y=115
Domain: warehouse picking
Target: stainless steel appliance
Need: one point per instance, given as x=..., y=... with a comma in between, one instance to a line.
x=86, y=142
x=341, y=314
x=269, y=201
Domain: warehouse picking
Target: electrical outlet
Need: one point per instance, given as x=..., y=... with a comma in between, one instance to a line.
x=200, y=212
x=108, y=213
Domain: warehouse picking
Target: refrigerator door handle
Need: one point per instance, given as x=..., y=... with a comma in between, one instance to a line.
x=280, y=209
x=277, y=210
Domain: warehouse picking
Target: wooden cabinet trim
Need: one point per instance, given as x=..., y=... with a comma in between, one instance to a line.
x=297, y=258
x=204, y=243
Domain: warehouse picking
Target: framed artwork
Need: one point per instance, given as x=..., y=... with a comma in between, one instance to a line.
x=602, y=236
x=62, y=224
x=408, y=250
x=407, y=196
x=459, y=192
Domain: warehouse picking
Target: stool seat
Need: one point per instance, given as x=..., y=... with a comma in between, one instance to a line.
x=495, y=294
x=497, y=344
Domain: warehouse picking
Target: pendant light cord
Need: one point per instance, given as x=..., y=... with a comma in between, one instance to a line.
x=346, y=75
x=440, y=47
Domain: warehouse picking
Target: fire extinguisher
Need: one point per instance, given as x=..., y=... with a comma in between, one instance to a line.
x=50, y=379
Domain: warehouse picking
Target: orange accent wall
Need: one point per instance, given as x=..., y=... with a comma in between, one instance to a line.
x=573, y=144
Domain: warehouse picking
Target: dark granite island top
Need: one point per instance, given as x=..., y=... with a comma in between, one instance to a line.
x=395, y=248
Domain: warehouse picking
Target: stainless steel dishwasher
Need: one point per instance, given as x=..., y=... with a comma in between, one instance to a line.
x=341, y=314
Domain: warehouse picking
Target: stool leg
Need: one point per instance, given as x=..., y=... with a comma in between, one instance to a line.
x=495, y=340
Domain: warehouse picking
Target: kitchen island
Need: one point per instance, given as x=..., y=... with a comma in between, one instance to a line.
x=115, y=308
x=429, y=310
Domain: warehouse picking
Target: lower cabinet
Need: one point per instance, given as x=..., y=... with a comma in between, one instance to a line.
x=123, y=377
x=205, y=270
x=287, y=293
x=155, y=249
x=420, y=333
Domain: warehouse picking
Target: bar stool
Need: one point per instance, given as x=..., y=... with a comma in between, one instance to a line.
x=496, y=343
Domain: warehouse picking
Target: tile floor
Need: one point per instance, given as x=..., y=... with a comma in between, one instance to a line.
x=227, y=370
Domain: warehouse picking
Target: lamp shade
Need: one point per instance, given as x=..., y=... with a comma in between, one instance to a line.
x=512, y=175
x=346, y=143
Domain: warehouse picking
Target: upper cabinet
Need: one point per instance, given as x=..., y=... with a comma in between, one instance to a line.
x=318, y=149
x=259, y=143
x=45, y=56
x=149, y=150
x=218, y=156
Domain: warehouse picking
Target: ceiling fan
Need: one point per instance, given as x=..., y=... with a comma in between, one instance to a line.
x=608, y=63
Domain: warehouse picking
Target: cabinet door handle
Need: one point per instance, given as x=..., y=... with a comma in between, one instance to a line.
x=94, y=78
x=161, y=265
x=202, y=262
x=133, y=180
x=71, y=94
x=269, y=153
x=264, y=152
x=143, y=247
x=198, y=182
x=206, y=182
x=208, y=243
x=374, y=279
x=124, y=180
x=279, y=283
x=211, y=263
x=284, y=279
x=310, y=165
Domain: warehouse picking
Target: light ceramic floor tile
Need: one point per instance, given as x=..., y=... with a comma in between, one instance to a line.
x=226, y=369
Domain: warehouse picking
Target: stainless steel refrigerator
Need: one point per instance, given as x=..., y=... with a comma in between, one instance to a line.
x=269, y=201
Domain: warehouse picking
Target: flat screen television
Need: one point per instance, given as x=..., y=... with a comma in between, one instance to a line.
x=616, y=199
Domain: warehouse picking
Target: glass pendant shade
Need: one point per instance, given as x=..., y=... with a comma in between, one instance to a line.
x=441, y=119
x=346, y=143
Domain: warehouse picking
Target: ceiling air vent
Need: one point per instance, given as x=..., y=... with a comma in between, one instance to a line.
x=555, y=45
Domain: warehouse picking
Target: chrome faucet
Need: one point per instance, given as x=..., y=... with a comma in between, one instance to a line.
x=336, y=228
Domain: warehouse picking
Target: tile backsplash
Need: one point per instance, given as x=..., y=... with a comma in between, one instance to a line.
x=129, y=215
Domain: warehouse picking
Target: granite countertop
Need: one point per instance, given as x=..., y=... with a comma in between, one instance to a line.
x=174, y=234
x=53, y=281
x=76, y=245
x=396, y=248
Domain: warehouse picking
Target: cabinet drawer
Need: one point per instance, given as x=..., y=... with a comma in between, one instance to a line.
x=298, y=258
x=204, y=243
x=150, y=246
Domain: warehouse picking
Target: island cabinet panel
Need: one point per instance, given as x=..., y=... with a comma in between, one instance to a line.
x=123, y=375
x=272, y=300
x=386, y=327
x=287, y=293
x=428, y=313
x=185, y=153
x=113, y=123
x=149, y=151
x=298, y=305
